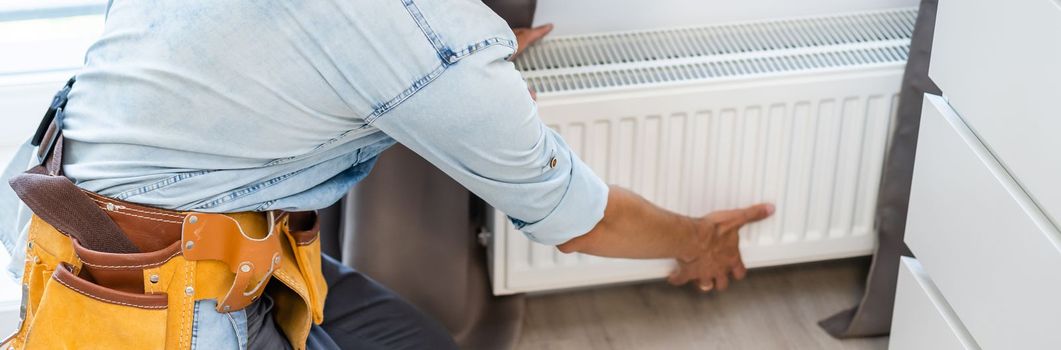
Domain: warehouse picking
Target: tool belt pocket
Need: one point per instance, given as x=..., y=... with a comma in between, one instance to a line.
x=75, y=313
x=303, y=232
x=76, y=298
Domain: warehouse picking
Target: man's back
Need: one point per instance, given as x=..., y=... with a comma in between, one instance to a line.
x=235, y=105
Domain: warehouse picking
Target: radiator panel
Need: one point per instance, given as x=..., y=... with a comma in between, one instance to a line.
x=812, y=145
x=804, y=127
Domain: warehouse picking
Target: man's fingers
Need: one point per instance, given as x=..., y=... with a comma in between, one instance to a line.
x=678, y=277
x=758, y=212
x=739, y=271
x=735, y=218
x=721, y=282
x=525, y=37
x=532, y=35
x=705, y=286
x=751, y=214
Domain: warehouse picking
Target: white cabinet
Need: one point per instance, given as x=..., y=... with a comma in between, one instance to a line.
x=36, y=59
x=999, y=64
x=985, y=199
x=922, y=319
x=985, y=244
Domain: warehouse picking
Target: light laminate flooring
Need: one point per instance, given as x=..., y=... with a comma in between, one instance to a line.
x=774, y=308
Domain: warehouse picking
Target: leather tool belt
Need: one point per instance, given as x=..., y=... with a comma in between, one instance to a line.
x=108, y=274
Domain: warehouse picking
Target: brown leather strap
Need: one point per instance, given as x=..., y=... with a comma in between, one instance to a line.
x=60, y=203
x=250, y=253
x=55, y=199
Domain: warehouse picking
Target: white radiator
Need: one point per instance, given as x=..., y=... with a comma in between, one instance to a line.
x=795, y=112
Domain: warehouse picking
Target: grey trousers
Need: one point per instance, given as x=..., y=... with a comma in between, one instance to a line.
x=358, y=314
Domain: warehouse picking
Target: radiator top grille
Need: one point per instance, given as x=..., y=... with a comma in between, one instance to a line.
x=615, y=60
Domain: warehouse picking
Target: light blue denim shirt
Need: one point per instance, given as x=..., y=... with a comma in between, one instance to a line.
x=222, y=106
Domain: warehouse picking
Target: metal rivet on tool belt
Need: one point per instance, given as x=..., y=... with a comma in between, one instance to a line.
x=245, y=268
x=189, y=245
x=110, y=206
x=189, y=290
x=153, y=278
x=193, y=219
x=276, y=259
x=227, y=308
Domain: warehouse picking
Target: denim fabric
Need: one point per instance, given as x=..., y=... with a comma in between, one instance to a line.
x=222, y=106
x=14, y=216
x=213, y=330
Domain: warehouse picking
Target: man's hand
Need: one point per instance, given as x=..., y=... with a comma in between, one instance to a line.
x=525, y=37
x=716, y=252
x=707, y=248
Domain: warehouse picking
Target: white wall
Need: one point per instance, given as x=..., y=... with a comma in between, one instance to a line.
x=38, y=56
x=595, y=16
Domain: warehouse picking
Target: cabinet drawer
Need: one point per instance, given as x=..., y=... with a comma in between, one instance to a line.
x=999, y=64
x=923, y=319
x=989, y=249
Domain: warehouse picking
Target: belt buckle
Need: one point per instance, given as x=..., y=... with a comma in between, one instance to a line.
x=209, y=236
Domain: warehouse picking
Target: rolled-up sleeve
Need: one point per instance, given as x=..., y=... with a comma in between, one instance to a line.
x=476, y=122
x=577, y=212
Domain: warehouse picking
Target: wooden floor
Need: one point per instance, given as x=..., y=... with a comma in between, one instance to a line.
x=774, y=308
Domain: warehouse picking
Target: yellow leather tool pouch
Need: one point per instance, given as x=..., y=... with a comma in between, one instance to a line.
x=77, y=314
x=62, y=309
x=77, y=298
x=304, y=236
x=106, y=274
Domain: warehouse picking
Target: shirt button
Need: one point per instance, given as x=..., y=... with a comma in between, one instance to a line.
x=552, y=163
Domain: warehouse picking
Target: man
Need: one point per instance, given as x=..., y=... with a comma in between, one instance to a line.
x=234, y=107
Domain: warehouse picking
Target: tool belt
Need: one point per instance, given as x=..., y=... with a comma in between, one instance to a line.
x=107, y=274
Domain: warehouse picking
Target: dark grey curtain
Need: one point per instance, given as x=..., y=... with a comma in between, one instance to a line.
x=873, y=315
x=518, y=13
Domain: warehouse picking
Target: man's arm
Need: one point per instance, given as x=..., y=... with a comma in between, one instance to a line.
x=476, y=123
x=706, y=247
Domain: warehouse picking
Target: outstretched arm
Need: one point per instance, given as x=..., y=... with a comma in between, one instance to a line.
x=706, y=247
x=477, y=123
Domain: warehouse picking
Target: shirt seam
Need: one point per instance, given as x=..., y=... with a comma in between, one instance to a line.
x=447, y=57
x=195, y=327
x=248, y=190
x=160, y=184
x=478, y=46
x=419, y=84
x=445, y=54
